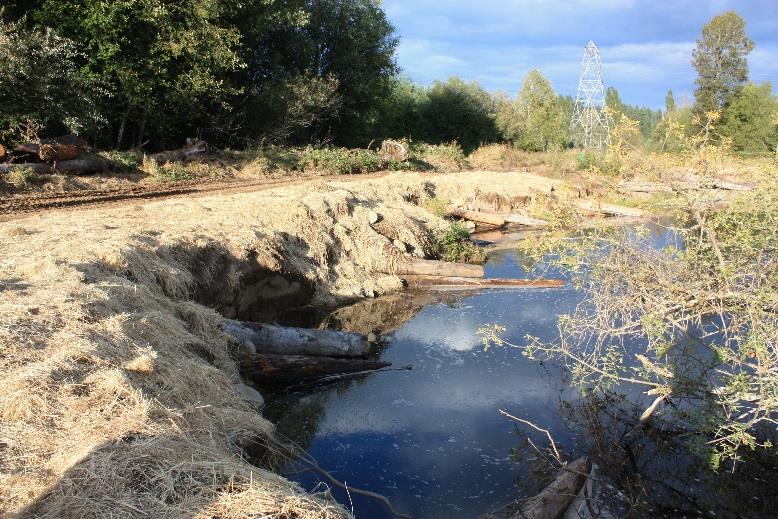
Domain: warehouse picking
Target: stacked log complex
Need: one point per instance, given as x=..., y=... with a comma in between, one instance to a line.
x=272, y=354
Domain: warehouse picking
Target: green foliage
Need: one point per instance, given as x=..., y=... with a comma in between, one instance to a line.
x=437, y=205
x=750, y=120
x=439, y=157
x=646, y=118
x=720, y=60
x=534, y=121
x=23, y=178
x=340, y=160
x=461, y=112
x=41, y=88
x=670, y=106
x=454, y=245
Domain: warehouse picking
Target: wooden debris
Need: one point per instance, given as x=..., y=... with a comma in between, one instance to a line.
x=438, y=268
x=269, y=338
x=609, y=209
x=65, y=147
x=453, y=282
x=193, y=147
x=476, y=216
x=269, y=368
x=77, y=166
x=394, y=150
x=557, y=497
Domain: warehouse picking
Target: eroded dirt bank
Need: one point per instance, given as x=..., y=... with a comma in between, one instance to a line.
x=116, y=383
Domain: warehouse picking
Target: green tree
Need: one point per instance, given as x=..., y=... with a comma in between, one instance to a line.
x=613, y=100
x=163, y=62
x=721, y=61
x=669, y=103
x=462, y=112
x=534, y=121
x=41, y=88
x=749, y=121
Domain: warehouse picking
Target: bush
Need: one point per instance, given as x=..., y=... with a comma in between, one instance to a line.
x=340, y=160
x=440, y=157
x=454, y=244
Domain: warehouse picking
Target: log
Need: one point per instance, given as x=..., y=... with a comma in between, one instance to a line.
x=270, y=368
x=609, y=209
x=732, y=186
x=192, y=148
x=452, y=282
x=476, y=216
x=438, y=268
x=557, y=497
x=519, y=219
x=270, y=338
x=2, y=152
x=57, y=152
x=77, y=166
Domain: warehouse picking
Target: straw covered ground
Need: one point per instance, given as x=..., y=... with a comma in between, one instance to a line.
x=116, y=383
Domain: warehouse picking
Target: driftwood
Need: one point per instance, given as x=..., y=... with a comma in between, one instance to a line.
x=557, y=497
x=77, y=166
x=269, y=368
x=686, y=184
x=450, y=282
x=192, y=148
x=609, y=209
x=65, y=147
x=269, y=338
x=421, y=267
x=476, y=216
x=395, y=150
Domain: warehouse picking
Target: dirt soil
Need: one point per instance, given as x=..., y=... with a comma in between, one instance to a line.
x=117, y=386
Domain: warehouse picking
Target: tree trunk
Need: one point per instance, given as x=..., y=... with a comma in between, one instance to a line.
x=77, y=166
x=269, y=338
x=476, y=216
x=557, y=497
x=452, y=282
x=610, y=209
x=269, y=368
x=122, y=126
x=438, y=268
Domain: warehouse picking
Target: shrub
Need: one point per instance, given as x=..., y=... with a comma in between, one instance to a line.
x=440, y=157
x=454, y=245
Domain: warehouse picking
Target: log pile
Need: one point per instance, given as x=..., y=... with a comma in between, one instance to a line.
x=272, y=354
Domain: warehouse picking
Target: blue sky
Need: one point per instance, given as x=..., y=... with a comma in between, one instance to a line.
x=646, y=45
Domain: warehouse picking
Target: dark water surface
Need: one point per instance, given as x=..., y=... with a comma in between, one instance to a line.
x=432, y=439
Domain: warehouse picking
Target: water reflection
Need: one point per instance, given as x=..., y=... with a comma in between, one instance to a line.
x=432, y=439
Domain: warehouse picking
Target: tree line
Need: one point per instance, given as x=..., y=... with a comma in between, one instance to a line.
x=133, y=73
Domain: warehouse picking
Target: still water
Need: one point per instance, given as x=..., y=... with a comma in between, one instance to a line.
x=432, y=439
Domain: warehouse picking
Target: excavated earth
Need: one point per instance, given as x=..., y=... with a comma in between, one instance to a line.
x=118, y=390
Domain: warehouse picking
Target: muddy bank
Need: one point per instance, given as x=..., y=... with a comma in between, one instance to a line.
x=116, y=383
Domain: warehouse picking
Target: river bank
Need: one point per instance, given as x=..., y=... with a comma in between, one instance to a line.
x=118, y=383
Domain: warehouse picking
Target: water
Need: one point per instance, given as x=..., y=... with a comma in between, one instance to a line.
x=432, y=439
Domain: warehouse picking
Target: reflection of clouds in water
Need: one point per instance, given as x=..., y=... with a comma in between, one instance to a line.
x=458, y=334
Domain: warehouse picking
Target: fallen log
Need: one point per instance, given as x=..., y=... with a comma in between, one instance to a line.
x=2, y=152
x=557, y=497
x=609, y=209
x=476, y=216
x=423, y=267
x=76, y=166
x=270, y=338
x=636, y=186
x=271, y=368
x=732, y=186
x=192, y=148
x=452, y=282
x=519, y=219
x=65, y=147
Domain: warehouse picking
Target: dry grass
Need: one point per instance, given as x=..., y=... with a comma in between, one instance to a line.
x=116, y=393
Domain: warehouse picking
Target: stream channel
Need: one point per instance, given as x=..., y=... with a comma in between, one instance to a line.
x=432, y=439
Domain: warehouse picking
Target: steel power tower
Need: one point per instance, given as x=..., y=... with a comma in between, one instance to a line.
x=590, y=122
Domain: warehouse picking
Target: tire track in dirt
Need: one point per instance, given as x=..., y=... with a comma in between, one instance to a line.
x=23, y=206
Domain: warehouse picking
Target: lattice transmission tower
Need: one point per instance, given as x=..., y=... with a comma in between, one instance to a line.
x=590, y=122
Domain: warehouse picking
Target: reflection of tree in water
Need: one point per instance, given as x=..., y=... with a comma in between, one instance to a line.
x=649, y=471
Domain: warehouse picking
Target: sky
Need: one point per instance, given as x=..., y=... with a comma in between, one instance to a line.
x=646, y=45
